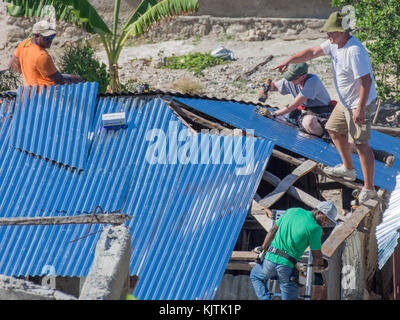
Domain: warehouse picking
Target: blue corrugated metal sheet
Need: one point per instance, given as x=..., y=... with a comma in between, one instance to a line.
x=53, y=122
x=388, y=231
x=243, y=116
x=185, y=216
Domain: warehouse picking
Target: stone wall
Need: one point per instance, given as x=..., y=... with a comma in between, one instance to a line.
x=249, y=8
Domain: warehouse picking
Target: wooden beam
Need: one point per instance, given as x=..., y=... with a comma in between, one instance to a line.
x=280, y=155
x=347, y=227
x=254, y=69
x=392, y=131
x=293, y=191
x=287, y=182
x=243, y=255
x=260, y=214
x=242, y=260
x=81, y=219
x=240, y=265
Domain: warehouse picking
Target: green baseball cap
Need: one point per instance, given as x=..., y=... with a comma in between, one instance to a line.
x=334, y=23
x=295, y=70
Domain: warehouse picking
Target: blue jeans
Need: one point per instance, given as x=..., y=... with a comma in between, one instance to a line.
x=261, y=273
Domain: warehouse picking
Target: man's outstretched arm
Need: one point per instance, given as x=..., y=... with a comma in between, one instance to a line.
x=302, y=56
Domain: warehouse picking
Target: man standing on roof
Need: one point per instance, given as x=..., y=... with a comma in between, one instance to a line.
x=311, y=105
x=285, y=243
x=32, y=59
x=350, y=121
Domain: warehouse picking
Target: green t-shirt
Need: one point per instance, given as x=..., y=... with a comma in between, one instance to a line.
x=297, y=229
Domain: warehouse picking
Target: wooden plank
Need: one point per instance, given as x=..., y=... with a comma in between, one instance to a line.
x=82, y=219
x=280, y=155
x=243, y=255
x=347, y=227
x=287, y=182
x=293, y=191
x=260, y=214
x=254, y=69
x=240, y=266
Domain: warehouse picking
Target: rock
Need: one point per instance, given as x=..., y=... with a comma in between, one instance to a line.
x=236, y=28
x=290, y=32
x=15, y=34
x=218, y=30
x=315, y=24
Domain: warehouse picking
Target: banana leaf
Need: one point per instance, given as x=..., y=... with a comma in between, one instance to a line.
x=79, y=12
x=151, y=11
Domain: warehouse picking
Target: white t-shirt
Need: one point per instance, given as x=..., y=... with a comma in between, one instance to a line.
x=349, y=64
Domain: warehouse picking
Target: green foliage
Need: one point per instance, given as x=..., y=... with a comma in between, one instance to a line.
x=195, y=62
x=79, y=59
x=76, y=11
x=378, y=23
x=9, y=80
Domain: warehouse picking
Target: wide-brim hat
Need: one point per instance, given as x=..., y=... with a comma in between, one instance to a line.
x=295, y=70
x=43, y=28
x=334, y=23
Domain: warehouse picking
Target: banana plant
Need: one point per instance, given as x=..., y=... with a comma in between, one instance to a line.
x=82, y=14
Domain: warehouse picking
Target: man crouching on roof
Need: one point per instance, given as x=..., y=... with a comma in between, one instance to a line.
x=312, y=104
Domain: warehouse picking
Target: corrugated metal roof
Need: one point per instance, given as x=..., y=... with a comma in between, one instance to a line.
x=388, y=231
x=242, y=116
x=68, y=111
x=185, y=216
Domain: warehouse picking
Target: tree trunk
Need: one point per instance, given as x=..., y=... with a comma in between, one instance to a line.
x=115, y=85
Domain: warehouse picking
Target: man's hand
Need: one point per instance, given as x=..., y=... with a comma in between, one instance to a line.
x=282, y=67
x=72, y=78
x=359, y=116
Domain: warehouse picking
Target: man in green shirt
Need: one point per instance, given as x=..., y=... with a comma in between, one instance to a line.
x=286, y=242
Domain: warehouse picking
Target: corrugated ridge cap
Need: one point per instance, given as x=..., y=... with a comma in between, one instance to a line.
x=178, y=95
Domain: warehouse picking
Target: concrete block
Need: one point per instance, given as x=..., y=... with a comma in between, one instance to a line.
x=109, y=274
x=18, y=289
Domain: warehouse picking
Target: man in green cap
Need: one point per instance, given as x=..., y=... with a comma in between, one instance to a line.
x=311, y=105
x=354, y=82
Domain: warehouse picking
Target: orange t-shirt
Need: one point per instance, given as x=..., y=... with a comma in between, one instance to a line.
x=36, y=64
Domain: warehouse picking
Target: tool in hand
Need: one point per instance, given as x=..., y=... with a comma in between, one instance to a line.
x=260, y=255
x=263, y=95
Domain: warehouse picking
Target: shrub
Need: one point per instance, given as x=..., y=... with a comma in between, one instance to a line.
x=195, y=62
x=79, y=59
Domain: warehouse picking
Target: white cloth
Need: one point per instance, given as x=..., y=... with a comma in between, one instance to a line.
x=349, y=64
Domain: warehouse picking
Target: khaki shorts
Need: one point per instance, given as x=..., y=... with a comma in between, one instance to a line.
x=341, y=121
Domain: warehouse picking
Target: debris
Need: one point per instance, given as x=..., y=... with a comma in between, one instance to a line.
x=223, y=53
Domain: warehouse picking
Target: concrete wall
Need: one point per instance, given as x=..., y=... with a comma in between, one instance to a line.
x=239, y=8
x=266, y=8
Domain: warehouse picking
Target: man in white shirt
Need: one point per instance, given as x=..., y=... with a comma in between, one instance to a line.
x=354, y=81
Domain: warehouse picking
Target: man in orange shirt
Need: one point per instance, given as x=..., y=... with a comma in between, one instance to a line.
x=32, y=59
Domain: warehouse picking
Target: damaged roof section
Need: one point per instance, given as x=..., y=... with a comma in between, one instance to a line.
x=242, y=115
x=187, y=208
